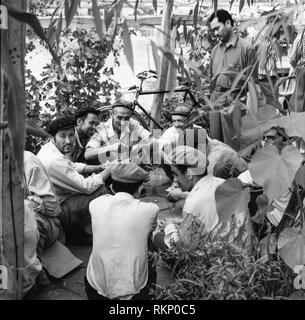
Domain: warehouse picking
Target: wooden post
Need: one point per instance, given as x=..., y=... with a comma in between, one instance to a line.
x=166, y=44
x=12, y=208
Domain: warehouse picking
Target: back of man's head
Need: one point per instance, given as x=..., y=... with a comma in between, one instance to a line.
x=127, y=177
x=222, y=16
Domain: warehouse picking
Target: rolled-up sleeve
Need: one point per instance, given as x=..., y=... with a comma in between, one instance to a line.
x=64, y=175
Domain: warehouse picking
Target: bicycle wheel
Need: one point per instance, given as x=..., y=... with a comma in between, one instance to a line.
x=105, y=114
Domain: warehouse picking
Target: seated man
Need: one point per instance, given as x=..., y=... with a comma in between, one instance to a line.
x=116, y=138
x=200, y=205
x=118, y=267
x=180, y=115
x=41, y=196
x=87, y=121
x=73, y=190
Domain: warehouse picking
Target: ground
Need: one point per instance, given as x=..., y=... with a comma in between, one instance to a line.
x=71, y=286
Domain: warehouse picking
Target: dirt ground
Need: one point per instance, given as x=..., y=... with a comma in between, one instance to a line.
x=71, y=286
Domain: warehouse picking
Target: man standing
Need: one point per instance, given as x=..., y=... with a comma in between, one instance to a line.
x=118, y=267
x=73, y=190
x=228, y=58
x=87, y=121
x=115, y=138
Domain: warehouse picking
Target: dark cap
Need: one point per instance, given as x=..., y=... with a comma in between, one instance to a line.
x=60, y=123
x=123, y=103
x=181, y=109
x=128, y=173
x=84, y=111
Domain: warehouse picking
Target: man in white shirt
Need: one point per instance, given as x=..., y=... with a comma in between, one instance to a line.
x=73, y=190
x=118, y=267
x=115, y=138
x=180, y=115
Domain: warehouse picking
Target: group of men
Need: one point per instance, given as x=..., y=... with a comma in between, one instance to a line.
x=85, y=183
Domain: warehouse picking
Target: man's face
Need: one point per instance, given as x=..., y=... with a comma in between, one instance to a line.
x=220, y=30
x=178, y=121
x=88, y=125
x=64, y=140
x=120, y=117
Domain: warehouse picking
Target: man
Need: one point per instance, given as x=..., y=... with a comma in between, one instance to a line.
x=228, y=58
x=180, y=115
x=188, y=164
x=118, y=267
x=87, y=121
x=73, y=190
x=40, y=194
x=117, y=137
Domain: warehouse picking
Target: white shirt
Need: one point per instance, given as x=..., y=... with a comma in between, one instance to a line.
x=200, y=205
x=64, y=177
x=106, y=136
x=118, y=265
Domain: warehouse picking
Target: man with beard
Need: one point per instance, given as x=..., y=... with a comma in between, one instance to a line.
x=229, y=57
x=73, y=190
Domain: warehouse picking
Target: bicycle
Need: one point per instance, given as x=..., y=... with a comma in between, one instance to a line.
x=142, y=76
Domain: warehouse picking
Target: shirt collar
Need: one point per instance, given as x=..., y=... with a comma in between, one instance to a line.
x=232, y=42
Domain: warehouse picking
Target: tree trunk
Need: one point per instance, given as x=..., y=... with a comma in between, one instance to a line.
x=166, y=28
x=12, y=206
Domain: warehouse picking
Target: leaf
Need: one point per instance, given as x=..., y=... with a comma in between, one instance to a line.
x=262, y=209
x=15, y=106
x=70, y=10
x=231, y=3
x=97, y=19
x=294, y=124
x=135, y=9
x=34, y=23
x=108, y=17
x=291, y=245
x=215, y=2
x=300, y=176
x=155, y=5
x=195, y=16
x=127, y=45
x=231, y=198
x=275, y=171
x=59, y=28
x=252, y=99
x=241, y=5
x=33, y=129
x=249, y=3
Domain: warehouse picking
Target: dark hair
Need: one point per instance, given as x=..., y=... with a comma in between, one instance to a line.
x=60, y=123
x=222, y=15
x=130, y=188
x=83, y=112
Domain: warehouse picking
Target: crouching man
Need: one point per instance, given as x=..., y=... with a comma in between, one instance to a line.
x=119, y=267
x=73, y=190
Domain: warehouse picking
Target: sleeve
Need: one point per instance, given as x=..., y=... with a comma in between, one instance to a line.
x=41, y=192
x=79, y=166
x=142, y=133
x=65, y=176
x=97, y=140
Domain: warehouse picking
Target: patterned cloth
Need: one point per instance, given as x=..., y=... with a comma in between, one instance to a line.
x=296, y=54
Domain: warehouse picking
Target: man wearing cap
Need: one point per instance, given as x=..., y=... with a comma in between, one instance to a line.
x=87, y=121
x=117, y=136
x=180, y=115
x=119, y=267
x=73, y=190
x=189, y=165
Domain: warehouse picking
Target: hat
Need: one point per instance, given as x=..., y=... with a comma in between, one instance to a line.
x=128, y=173
x=181, y=109
x=123, y=103
x=60, y=123
x=189, y=157
x=84, y=111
